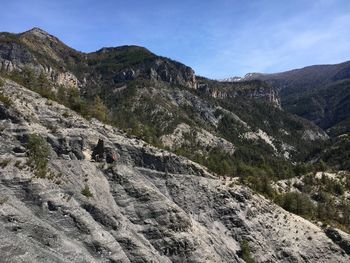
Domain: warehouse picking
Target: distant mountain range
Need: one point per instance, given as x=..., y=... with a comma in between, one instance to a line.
x=320, y=93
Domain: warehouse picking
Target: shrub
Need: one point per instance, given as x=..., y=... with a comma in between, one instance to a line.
x=86, y=191
x=38, y=152
x=245, y=252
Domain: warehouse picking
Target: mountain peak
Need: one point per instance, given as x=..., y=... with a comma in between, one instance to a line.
x=38, y=32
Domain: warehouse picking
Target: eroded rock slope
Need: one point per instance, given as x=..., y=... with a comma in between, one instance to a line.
x=147, y=206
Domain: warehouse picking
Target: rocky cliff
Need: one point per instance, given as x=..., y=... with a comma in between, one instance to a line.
x=147, y=206
x=257, y=90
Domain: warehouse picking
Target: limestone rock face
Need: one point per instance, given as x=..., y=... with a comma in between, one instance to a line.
x=67, y=79
x=227, y=90
x=148, y=206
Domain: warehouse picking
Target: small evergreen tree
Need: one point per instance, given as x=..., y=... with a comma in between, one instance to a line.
x=38, y=151
x=99, y=109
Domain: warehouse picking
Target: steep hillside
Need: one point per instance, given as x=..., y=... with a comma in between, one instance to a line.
x=135, y=203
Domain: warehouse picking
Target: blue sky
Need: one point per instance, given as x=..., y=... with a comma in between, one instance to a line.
x=217, y=38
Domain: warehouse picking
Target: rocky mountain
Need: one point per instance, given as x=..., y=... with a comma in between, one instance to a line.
x=319, y=93
x=63, y=199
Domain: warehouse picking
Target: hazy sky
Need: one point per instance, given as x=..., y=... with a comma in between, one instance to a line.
x=217, y=38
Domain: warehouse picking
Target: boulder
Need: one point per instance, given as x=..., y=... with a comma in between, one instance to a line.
x=98, y=154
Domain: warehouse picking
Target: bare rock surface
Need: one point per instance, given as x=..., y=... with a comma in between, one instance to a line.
x=148, y=206
x=201, y=137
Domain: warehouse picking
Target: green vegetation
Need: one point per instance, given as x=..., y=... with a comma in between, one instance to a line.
x=86, y=191
x=5, y=100
x=259, y=184
x=2, y=83
x=245, y=252
x=38, y=153
x=143, y=116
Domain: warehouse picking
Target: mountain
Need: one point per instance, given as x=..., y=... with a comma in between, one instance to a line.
x=60, y=202
x=319, y=93
x=121, y=155
x=153, y=98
